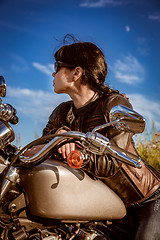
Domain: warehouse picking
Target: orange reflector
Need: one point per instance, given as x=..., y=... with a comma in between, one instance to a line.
x=75, y=159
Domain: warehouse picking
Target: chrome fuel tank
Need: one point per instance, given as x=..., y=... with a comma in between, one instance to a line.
x=54, y=190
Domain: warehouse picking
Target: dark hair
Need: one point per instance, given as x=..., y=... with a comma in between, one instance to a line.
x=90, y=58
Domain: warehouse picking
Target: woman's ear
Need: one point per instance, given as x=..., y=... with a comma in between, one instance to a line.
x=78, y=72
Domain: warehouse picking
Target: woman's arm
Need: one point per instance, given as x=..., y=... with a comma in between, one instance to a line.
x=105, y=165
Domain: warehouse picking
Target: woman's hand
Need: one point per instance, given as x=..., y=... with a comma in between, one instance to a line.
x=66, y=148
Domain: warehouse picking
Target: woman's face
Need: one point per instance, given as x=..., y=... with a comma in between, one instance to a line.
x=63, y=80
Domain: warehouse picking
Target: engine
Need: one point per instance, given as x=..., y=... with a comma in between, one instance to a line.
x=67, y=232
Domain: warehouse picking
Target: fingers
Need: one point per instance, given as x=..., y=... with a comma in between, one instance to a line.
x=66, y=149
x=72, y=147
x=63, y=151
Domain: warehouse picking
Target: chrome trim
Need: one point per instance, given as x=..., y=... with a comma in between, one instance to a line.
x=6, y=111
x=97, y=144
x=104, y=125
x=2, y=87
x=6, y=134
x=124, y=156
x=60, y=138
x=132, y=121
x=12, y=177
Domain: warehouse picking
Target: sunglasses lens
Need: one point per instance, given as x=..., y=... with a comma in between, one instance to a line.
x=56, y=67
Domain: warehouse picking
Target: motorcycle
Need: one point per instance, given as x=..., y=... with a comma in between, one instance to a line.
x=43, y=197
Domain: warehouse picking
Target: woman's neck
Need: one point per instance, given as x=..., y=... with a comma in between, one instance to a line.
x=83, y=96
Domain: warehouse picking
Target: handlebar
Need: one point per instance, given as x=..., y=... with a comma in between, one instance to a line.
x=94, y=143
x=55, y=141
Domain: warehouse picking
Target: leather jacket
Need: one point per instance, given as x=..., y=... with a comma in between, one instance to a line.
x=131, y=184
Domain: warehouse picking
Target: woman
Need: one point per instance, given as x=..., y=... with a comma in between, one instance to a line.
x=80, y=72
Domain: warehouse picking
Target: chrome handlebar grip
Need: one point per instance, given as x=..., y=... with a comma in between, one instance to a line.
x=124, y=156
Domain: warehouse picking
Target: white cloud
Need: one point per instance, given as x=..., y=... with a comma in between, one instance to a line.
x=36, y=104
x=128, y=70
x=33, y=109
x=155, y=17
x=47, y=69
x=127, y=28
x=147, y=108
x=102, y=3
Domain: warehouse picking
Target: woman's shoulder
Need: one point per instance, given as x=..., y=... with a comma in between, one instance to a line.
x=62, y=109
x=65, y=105
x=113, y=99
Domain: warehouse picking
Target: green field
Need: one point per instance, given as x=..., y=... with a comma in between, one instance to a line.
x=148, y=147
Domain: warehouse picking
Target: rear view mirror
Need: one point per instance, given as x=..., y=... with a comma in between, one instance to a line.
x=131, y=121
x=2, y=87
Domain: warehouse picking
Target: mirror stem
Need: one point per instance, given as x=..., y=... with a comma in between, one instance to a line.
x=104, y=125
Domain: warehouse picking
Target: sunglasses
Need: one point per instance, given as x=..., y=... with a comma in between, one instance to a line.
x=58, y=65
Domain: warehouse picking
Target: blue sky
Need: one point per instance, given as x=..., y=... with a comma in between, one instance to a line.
x=128, y=32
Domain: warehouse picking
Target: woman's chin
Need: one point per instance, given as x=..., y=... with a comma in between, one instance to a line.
x=57, y=91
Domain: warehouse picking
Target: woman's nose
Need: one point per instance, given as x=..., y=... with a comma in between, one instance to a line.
x=53, y=74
